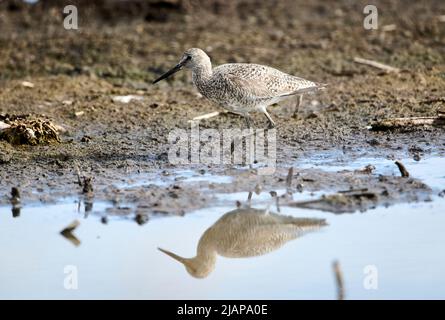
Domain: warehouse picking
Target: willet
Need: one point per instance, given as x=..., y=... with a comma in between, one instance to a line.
x=244, y=232
x=241, y=88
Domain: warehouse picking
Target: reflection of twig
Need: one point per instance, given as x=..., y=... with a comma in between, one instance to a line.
x=249, y=198
x=15, y=201
x=67, y=232
x=277, y=199
x=354, y=190
x=339, y=280
x=376, y=64
x=402, y=169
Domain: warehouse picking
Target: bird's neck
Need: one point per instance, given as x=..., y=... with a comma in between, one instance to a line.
x=201, y=74
x=204, y=261
x=206, y=248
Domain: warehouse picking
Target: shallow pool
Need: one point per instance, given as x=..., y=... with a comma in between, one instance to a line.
x=394, y=252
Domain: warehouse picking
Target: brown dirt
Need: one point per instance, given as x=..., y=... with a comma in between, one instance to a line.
x=76, y=74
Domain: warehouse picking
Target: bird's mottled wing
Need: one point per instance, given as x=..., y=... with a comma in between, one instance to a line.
x=263, y=82
x=249, y=88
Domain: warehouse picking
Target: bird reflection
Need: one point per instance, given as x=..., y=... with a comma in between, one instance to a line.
x=244, y=232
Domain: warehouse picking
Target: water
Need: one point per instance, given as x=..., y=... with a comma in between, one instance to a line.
x=402, y=247
x=429, y=170
x=139, y=180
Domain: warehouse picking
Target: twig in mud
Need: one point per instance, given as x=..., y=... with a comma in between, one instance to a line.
x=389, y=27
x=87, y=185
x=79, y=180
x=376, y=64
x=206, y=116
x=394, y=123
x=339, y=202
x=85, y=182
x=354, y=190
x=339, y=280
x=289, y=177
x=402, y=169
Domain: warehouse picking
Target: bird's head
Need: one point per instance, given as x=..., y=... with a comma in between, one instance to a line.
x=198, y=267
x=192, y=58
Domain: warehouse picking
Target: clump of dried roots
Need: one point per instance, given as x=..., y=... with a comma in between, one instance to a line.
x=28, y=129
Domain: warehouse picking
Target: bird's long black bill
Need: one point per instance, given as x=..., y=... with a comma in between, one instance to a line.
x=169, y=72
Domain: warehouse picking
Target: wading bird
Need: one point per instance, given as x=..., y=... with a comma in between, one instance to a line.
x=241, y=88
x=244, y=232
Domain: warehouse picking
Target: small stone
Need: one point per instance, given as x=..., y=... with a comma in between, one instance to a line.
x=27, y=84
x=127, y=99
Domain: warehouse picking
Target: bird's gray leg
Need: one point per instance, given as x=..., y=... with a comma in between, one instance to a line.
x=271, y=122
x=297, y=106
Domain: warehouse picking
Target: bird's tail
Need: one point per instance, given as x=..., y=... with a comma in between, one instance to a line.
x=321, y=86
x=317, y=86
x=304, y=223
